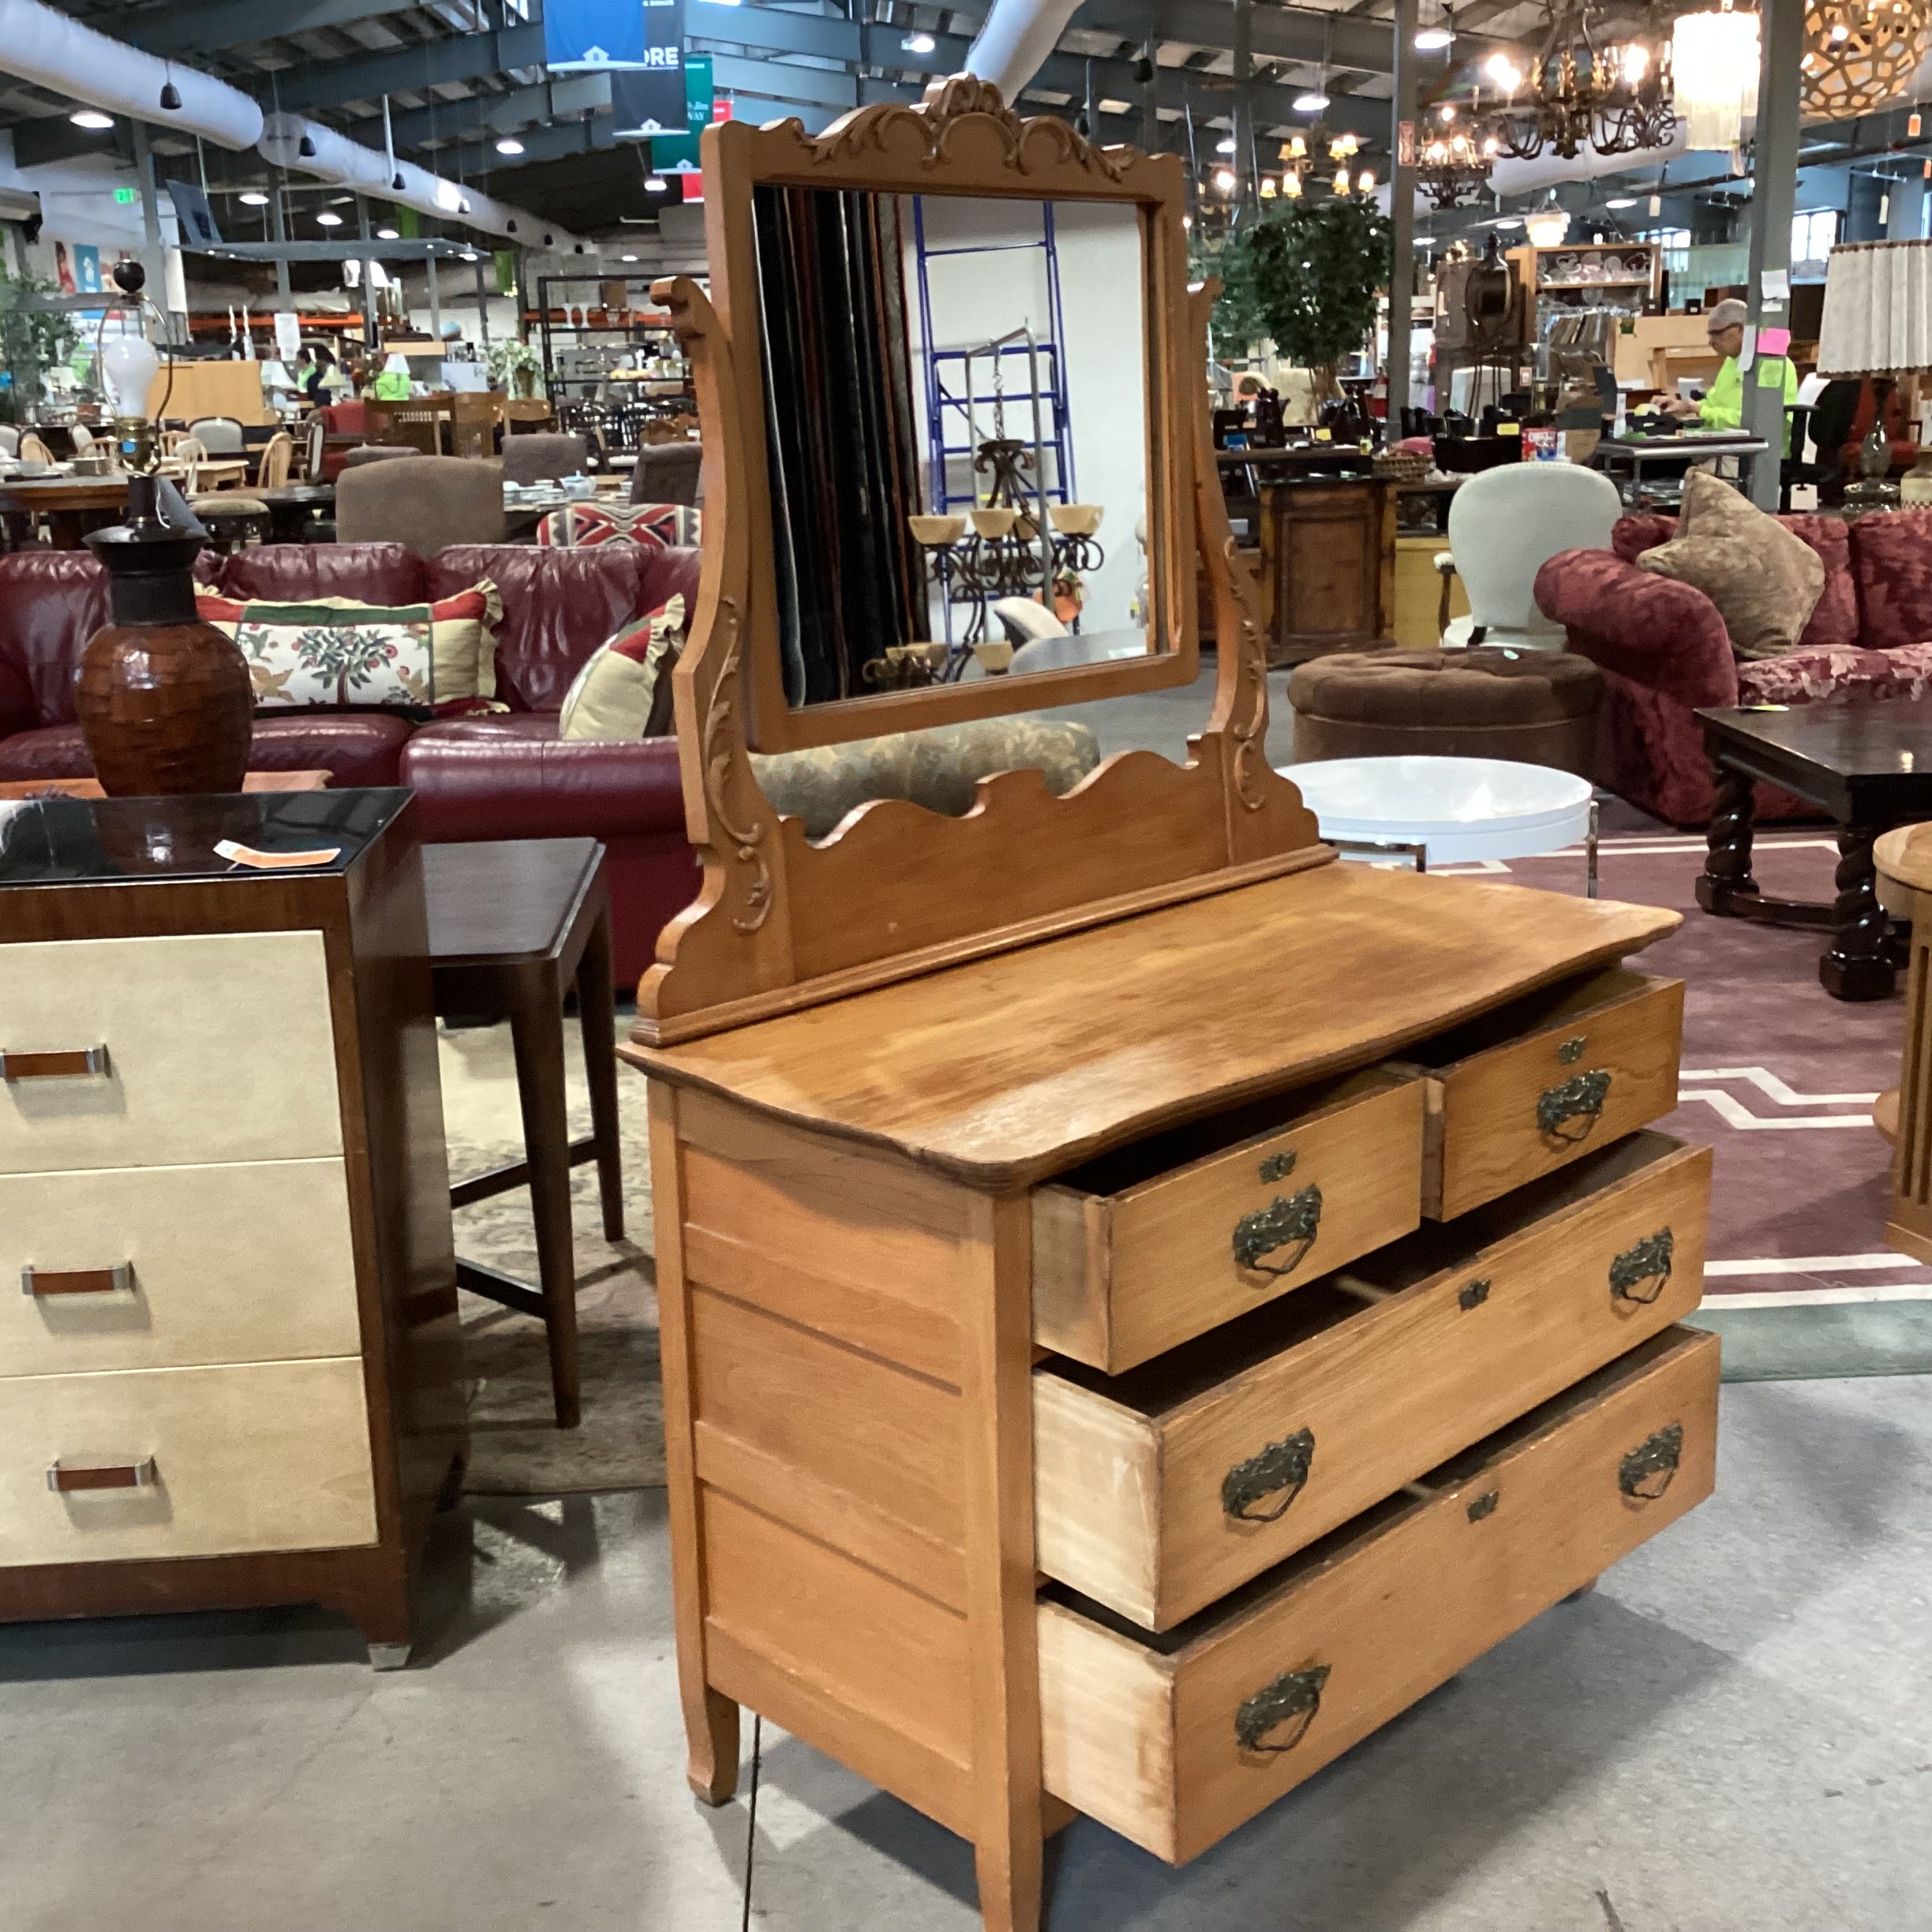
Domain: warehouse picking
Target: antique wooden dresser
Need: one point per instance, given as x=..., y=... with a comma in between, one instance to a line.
x=1142, y=1302
x=232, y=1374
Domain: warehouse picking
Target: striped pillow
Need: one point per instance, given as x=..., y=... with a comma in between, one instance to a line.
x=579, y=525
x=333, y=653
x=624, y=691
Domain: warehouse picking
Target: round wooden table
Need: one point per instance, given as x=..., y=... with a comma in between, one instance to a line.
x=72, y=505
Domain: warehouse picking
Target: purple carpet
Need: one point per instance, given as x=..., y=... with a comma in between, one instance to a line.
x=1778, y=1077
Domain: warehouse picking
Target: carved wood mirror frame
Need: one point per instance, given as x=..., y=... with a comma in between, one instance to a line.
x=781, y=922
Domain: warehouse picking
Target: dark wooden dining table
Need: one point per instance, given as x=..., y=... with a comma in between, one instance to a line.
x=72, y=505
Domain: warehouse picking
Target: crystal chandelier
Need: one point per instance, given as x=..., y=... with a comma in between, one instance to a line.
x=1574, y=94
x=1860, y=53
x=1714, y=58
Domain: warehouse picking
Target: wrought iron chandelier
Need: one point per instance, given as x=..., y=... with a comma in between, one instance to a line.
x=1453, y=163
x=1582, y=90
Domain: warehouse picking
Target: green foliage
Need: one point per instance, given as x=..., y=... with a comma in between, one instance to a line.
x=1316, y=269
x=1239, y=325
x=32, y=340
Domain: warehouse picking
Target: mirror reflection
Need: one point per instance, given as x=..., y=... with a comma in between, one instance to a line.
x=956, y=427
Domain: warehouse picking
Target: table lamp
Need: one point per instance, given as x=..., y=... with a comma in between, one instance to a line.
x=165, y=701
x=1878, y=321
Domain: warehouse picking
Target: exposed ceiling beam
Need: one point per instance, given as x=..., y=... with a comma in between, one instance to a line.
x=211, y=26
x=436, y=63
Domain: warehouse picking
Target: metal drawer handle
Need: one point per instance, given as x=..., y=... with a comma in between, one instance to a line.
x=84, y=1063
x=1642, y=1273
x=1580, y=1098
x=68, y=1479
x=1278, y=1165
x=1290, y=1220
x=43, y=1282
x=1297, y=1696
x=1485, y=1505
x=1281, y=1465
x=1475, y=1294
x=1645, y=1473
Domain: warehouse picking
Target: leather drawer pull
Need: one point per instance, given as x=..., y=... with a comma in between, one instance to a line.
x=84, y=1063
x=1645, y=1473
x=1296, y=1696
x=1580, y=1098
x=1645, y=1265
x=1281, y=1465
x=1290, y=1220
x=141, y=1475
x=43, y=1282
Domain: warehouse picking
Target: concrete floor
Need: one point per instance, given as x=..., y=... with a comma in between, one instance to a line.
x=1733, y=1734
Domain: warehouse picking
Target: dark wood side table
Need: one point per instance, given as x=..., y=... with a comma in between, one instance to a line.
x=513, y=924
x=1329, y=551
x=1869, y=766
x=293, y=508
x=73, y=506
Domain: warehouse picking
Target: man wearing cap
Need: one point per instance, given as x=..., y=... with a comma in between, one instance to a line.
x=1723, y=404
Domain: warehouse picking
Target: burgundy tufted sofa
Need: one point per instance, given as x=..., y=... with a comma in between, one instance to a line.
x=1665, y=651
x=501, y=777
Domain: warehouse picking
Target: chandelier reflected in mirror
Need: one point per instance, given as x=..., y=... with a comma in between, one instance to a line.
x=1582, y=90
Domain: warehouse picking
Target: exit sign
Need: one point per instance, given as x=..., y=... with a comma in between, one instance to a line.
x=126, y=196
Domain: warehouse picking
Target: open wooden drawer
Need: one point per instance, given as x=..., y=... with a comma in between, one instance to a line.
x=1143, y=1249
x=1531, y=1086
x=1159, y=1491
x=1174, y=1741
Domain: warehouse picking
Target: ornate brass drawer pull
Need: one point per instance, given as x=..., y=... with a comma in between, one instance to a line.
x=1292, y=1699
x=67, y=1480
x=43, y=1282
x=1580, y=1098
x=1281, y=1465
x=1645, y=1473
x=82, y=1063
x=1290, y=1220
x=1647, y=1264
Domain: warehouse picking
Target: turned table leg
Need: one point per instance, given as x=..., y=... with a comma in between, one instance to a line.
x=1858, y=964
x=1727, y=874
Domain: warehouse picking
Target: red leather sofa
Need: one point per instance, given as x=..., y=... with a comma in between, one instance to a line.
x=1665, y=651
x=500, y=776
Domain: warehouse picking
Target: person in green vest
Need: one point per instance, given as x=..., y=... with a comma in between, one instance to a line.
x=1722, y=405
x=393, y=384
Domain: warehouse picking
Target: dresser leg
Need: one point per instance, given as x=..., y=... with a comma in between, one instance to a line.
x=711, y=1732
x=388, y=1657
x=1012, y=1886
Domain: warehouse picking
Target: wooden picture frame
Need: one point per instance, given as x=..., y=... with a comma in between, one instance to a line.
x=782, y=923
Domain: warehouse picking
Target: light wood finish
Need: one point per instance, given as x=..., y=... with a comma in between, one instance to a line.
x=1529, y=1087
x=220, y=1048
x=1137, y=1254
x=242, y=1264
x=1141, y=1734
x=1019, y=1067
x=780, y=921
x=1903, y=858
x=1417, y=621
x=1636, y=351
x=1389, y=1367
x=91, y=787
x=278, y=458
x=210, y=389
x=272, y=1456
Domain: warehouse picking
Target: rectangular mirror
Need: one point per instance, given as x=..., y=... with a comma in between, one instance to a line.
x=956, y=438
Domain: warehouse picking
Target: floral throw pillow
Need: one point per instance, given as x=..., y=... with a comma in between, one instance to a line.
x=579, y=525
x=624, y=691
x=332, y=654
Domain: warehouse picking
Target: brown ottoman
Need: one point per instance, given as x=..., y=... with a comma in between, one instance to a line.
x=1535, y=707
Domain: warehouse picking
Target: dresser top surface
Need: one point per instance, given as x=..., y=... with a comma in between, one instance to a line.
x=69, y=841
x=1008, y=1069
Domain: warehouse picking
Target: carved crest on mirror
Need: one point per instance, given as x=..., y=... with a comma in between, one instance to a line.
x=783, y=921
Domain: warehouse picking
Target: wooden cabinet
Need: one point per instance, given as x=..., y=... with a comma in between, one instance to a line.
x=233, y=1376
x=1329, y=555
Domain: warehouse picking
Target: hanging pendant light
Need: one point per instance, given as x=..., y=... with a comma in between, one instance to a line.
x=1714, y=66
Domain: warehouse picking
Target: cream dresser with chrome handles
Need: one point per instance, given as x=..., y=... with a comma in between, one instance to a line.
x=1143, y=1302
x=229, y=1373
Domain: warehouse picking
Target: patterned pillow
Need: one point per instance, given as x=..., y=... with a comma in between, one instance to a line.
x=624, y=691
x=578, y=525
x=435, y=660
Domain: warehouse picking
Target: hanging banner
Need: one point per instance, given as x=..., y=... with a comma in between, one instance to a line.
x=671, y=152
x=586, y=34
x=649, y=99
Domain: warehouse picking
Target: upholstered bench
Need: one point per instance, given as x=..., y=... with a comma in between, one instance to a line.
x=1537, y=707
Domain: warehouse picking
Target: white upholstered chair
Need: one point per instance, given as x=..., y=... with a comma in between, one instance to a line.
x=1504, y=525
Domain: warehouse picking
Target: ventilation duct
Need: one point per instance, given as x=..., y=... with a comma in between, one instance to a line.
x=307, y=147
x=1014, y=40
x=56, y=52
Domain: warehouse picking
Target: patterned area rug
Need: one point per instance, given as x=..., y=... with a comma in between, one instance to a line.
x=516, y=1448
x=1778, y=1078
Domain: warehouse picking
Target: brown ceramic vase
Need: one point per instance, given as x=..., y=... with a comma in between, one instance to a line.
x=164, y=701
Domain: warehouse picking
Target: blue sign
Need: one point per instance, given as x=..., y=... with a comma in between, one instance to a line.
x=589, y=34
x=650, y=99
